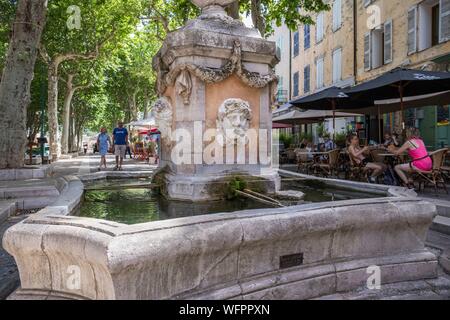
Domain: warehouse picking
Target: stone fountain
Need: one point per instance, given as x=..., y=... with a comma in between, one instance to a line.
x=215, y=79
x=216, y=86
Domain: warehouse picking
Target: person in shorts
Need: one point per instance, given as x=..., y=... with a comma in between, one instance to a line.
x=120, y=142
x=358, y=155
x=103, y=143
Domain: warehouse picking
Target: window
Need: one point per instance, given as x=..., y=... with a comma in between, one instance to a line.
x=296, y=44
x=319, y=73
x=427, y=25
x=337, y=65
x=280, y=47
x=337, y=14
x=435, y=25
x=296, y=84
x=306, y=79
x=378, y=46
x=431, y=27
x=319, y=27
x=307, y=36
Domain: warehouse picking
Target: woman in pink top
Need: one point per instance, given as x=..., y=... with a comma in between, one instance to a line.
x=418, y=153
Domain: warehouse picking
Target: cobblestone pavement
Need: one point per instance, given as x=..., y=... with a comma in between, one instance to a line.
x=9, y=275
x=430, y=289
x=89, y=164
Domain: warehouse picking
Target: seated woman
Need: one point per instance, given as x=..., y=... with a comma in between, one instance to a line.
x=358, y=156
x=418, y=153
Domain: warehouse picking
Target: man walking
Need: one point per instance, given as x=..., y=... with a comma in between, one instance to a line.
x=120, y=141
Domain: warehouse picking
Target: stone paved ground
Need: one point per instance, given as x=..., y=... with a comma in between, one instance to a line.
x=430, y=289
x=89, y=164
x=9, y=276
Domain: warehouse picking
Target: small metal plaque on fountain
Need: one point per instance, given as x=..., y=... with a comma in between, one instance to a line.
x=290, y=261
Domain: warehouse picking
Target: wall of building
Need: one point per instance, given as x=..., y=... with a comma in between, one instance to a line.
x=341, y=38
x=397, y=11
x=350, y=37
x=281, y=36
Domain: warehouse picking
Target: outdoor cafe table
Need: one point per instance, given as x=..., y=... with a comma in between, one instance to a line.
x=316, y=155
x=394, y=159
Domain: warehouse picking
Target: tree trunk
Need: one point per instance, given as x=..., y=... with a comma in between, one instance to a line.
x=133, y=106
x=55, y=146
x=52, y=112
x=16, y=80
x=233, y=10
x=146, y=106
x=70, y=91
x=257, y=17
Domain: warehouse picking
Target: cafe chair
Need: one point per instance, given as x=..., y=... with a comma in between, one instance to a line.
x=330, y=165
x=434, y=177
x=304, y=164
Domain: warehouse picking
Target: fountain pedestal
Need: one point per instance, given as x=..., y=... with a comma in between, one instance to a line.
x=216, y=86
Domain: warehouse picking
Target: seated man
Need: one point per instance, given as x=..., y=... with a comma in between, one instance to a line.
x=328, y=143
x=390, y=140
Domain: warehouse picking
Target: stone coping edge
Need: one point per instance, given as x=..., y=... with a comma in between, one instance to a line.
x=357, y=186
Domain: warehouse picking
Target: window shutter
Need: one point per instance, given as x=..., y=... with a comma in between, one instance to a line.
x=388, y=42
x=296, y=84
x=412, y=30
x=307, y=79
x=337, y=65
x=319, y=27
x=319, y=73
x=307, y=38
x=337, y=14
x=367, y=51
x=296, y=44
x=444, y=33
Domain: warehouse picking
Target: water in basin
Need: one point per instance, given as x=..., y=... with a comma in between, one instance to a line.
x=132, y=206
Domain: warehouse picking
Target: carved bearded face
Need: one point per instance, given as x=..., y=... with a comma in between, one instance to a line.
x=162, y=111
x=233, y=120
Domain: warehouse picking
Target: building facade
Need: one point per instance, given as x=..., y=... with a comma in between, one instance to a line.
x=282, y=37
x=406, y=33
x=358, y=40
x=323, y=55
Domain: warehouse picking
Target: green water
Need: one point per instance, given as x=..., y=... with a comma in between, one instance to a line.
x=133, y=206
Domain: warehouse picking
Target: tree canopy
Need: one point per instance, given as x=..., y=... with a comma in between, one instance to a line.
x=105, y=49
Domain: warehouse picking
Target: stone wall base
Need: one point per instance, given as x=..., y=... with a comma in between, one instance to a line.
x=200, y=188
x=26, y=173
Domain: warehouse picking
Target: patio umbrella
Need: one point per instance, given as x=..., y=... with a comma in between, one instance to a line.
x=393, y=105
x=143, y=123
x=276, y=125
x=400, y=83
x=310, y=116
x=332, y=98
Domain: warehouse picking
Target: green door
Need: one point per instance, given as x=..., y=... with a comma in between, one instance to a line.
x=427, y=126
x=442, y=126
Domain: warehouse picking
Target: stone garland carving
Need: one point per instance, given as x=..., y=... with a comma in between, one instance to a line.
x=214, y=75
x=184, y=86
x=233, y=121
x=163, y=113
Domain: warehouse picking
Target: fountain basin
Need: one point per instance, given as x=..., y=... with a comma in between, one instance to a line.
x=297, y=252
